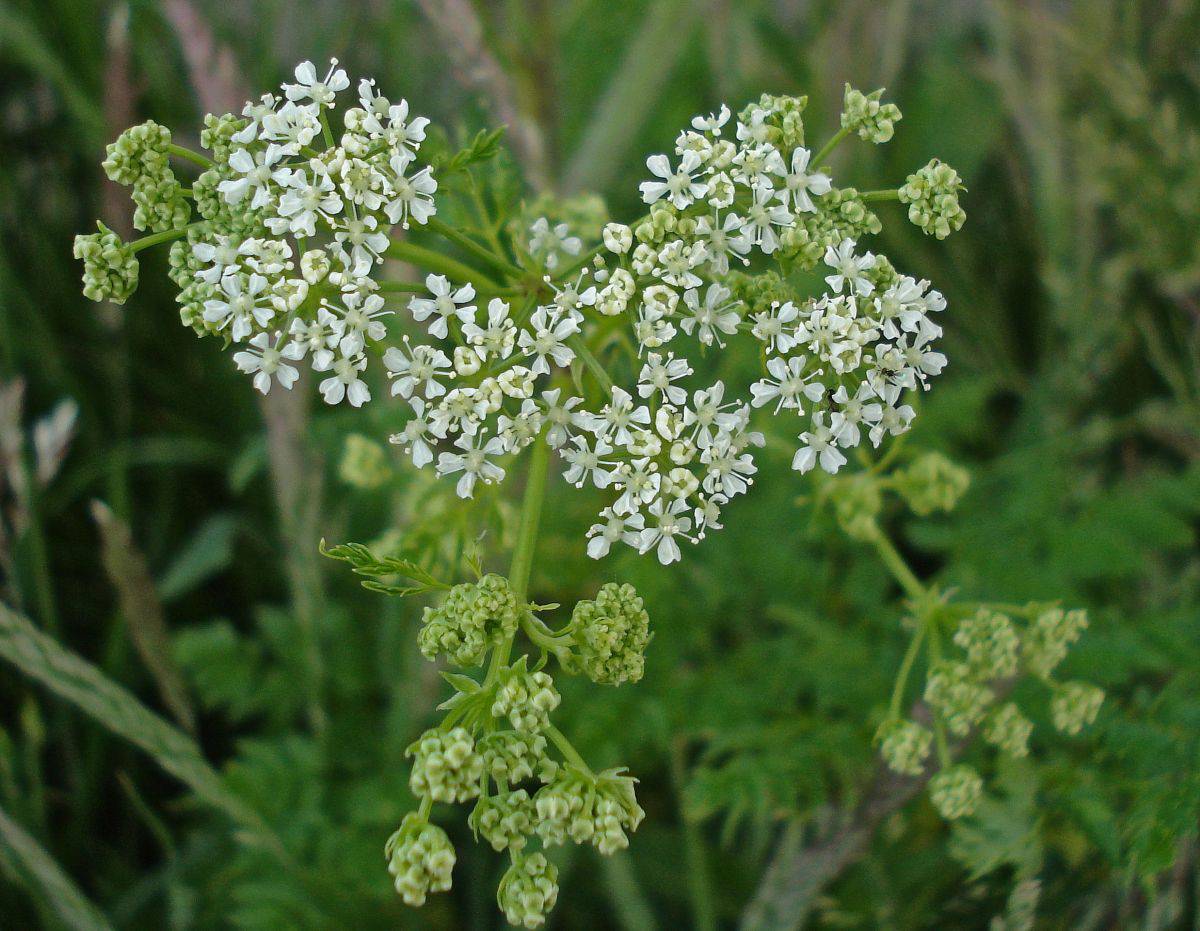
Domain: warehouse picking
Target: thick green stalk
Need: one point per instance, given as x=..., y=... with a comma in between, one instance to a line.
x=885, y=194
x=531, y=515
x=155, y=238
x=829, y=147
x=183, y=152
x=498, y=262
x=897, y=566
x=593, y=364
x=443, y=265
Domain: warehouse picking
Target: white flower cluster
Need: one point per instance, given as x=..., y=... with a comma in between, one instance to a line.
x=304, y=286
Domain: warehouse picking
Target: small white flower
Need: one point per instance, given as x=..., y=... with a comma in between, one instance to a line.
x=849, y=268
x=615, y=528
x=345, y=383
x=763, y=215
x=447, y=303
x=716, y=314
x=322, y=92
x=473, y=463
x=415, y=437
x=819, y=445
x=561, y=417
x=418, y=371
x=257, y=174
x=244, y=303
x=265, y=361
x=618, y=238
x=587, y=462
x=550, y=241
x=545, y=338
x=799, y=184
x=659, y=374
x=670, y=522
x=412, y=198
x=496, y=340
x=787, y=384
x=680, y=186
x=713, y=122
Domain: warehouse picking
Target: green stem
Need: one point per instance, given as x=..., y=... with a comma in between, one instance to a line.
x=829, y=147
x=570, y=754
x=531, y=514
x=885, y=194
x=906, y=665
x=897, y=566
x=591, y=362
x=442, y=265
x=180, y=151
x=165, y=236
x=499, y=263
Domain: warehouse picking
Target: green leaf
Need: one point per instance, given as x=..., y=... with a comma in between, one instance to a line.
x=209, y=551
x=46, y=879
x=71, y=677
x=367, y=563
x=143, y=612
x=483, y=147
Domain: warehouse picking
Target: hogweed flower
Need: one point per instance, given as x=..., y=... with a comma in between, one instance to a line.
x=956, y=791
x=611, y=634
x=421, y=858
x=528, y=891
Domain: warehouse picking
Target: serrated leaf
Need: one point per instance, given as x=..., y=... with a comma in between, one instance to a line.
x=364, y=562
x=483, y=147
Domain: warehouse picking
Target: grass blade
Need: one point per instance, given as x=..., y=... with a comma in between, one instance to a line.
x=79, y=682
x=46, y=879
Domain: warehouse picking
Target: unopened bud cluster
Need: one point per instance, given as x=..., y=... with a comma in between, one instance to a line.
x=866, y=115
x=962, y=693
x=495, y=745
x=932, y=197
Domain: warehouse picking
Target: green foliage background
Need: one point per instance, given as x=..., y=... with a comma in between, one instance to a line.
x=1073, y=395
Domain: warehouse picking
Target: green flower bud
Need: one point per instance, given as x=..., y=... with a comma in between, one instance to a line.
x=840, y=214
x=159, y=204
x=932, y=483
x=446, y=767
x=957, y=695
x=598, y=809
x=1075, y=705
x=611, y=634
x=139, y=152
x=904, y=746
x=1009, y=730
x=991, y=643
x=856, y=503
x=364, y=463
x=510, y=758
x=525, y=698
x=421, y=858
x=471, y=618
x=955, y=792
x=864, y=114
x=505, y=820
x=110, y=267
x=932, y=197
x=1049, y=638
x=528, y=891
x=218, y=132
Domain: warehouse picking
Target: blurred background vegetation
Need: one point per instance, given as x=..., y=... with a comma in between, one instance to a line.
x=249, y=766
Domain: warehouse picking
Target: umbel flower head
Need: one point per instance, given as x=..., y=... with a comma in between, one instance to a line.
x=446, y=766
x=421, y=858
x=528, y=891
x=472, y=617
x=303, y=193
x=611, y=634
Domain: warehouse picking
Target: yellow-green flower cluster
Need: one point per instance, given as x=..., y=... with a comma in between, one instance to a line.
x=110, y=267
x=841, y=214
x=1008, y=730
x=991, y=643
x=525, y=698
x=611, y=634
x=931, y=482
x=446, y=767
x=472, y=617
x=588, y=808
x=364, y=463
x=932, y=197
x=866, y=115
x=510, y=757
x=956, y=694
x=904, y=746
x=781, y=116
x=140, y=158
x=1075, y=705
x=505, y=820
x=528, y=891
x=1050, y=636
x=421, y=858
x=956, y=791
